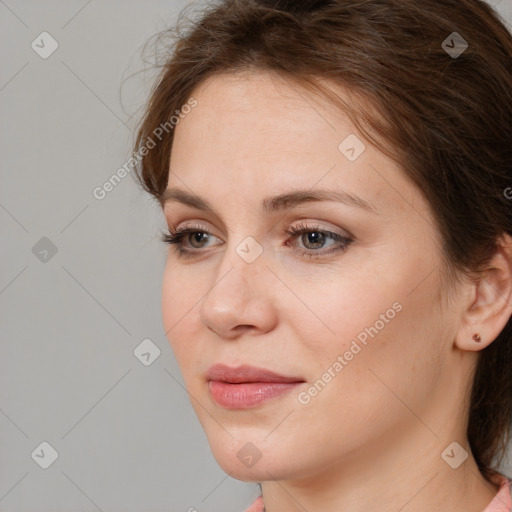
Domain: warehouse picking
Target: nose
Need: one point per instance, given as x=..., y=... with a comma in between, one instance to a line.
x=240, y=299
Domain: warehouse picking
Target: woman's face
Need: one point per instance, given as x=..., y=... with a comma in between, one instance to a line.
x=359, y=324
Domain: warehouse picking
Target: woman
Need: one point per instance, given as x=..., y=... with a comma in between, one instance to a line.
x=336, y=178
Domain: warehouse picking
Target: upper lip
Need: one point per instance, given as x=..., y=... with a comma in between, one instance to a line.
x=246, y=373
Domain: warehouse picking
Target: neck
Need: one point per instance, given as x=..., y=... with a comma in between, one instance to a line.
x=401, y=469
x=409, y=475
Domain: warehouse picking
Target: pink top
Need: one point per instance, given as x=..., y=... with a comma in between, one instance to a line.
x=501, y=503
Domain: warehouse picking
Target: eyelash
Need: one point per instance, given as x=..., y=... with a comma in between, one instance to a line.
x=176, y=237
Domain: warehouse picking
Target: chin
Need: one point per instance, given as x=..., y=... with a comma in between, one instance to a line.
x=230, y=463
x=246, y=460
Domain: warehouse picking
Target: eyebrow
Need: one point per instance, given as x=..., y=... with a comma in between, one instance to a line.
x=271, y=204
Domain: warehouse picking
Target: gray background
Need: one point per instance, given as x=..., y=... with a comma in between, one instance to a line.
x=126, y=435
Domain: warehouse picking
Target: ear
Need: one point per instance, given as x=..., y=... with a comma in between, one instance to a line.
x=489, y=305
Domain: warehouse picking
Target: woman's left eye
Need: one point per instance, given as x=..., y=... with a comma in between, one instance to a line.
x=315, y=237
x=312, y=237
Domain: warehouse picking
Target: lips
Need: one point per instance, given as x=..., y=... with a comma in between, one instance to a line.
x=246, y=373
x=247, y=386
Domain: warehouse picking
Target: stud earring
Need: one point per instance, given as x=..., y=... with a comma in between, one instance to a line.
x=477, y=337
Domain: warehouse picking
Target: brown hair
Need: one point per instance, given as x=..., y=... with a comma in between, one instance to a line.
x=445, y=118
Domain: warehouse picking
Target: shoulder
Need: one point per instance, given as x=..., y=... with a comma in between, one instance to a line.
x=257, y=505
x=502, y=502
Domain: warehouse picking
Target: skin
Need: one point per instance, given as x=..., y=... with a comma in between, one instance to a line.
x=372, y=438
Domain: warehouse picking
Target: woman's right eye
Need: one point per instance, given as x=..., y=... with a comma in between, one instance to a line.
x=175, y=238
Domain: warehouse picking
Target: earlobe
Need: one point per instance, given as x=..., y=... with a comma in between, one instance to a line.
x=490, y=309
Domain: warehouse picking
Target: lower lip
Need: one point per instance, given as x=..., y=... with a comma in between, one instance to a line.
x=248, y=394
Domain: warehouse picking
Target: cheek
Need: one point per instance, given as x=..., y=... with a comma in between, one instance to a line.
x=387, y=344
x=181, y=294
x=170, y=304
x=342, y=306
x=376, y=318
x=180, y=310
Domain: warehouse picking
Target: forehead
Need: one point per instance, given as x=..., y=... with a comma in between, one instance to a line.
x=259, y=120
x=253, y=136
x=250, y=114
